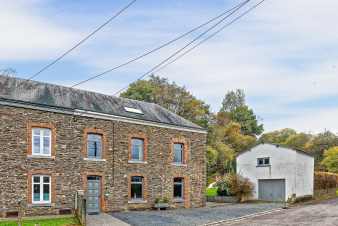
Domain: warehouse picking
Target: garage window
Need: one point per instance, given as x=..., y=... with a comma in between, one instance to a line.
x=263, y=161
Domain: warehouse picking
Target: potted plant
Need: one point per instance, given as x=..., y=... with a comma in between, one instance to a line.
x=161, y=203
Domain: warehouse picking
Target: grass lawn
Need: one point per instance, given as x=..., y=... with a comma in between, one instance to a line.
x=211, y=192
x=69, y=221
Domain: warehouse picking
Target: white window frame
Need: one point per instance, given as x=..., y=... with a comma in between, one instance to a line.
x=182, y=188
x=137, y=182
x=41, y=136
x=141, y=152
x=263, y=158
x=41, y=183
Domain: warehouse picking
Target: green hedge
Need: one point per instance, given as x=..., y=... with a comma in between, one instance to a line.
x=211, y=192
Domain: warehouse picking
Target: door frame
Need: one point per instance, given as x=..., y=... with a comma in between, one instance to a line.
x=85, y=181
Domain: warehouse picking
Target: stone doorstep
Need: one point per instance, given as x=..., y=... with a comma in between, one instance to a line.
x=38, y=217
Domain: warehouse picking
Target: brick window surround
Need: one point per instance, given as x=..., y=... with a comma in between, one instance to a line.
x=31, y=126
x=144, y=186
x=85, y=141
x=102, y=184
x=179, y=140
x=30, y=174
x=145, y=145
x=186, y=187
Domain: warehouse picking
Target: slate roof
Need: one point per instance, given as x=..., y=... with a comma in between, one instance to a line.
x=55, y=96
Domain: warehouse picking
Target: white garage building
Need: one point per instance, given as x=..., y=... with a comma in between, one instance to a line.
x=277, y=172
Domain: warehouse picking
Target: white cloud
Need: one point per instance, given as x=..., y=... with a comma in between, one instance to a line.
x=283, y=52
x=25, y=35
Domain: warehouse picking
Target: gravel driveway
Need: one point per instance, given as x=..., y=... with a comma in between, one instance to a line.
x=322, y=214
x=197, y=216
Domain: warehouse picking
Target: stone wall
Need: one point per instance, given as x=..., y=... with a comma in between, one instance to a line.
x=69, y=169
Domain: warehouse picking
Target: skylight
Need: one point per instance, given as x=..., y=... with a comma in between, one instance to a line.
x=133, y=110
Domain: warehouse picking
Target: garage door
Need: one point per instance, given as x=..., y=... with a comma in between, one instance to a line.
x=271, y=190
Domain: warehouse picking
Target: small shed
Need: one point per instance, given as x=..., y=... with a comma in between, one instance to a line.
x=277, y=172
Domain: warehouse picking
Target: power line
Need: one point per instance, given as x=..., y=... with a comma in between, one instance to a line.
x=209, y=37
x=161, y=46
x=83, y=40
x=188, y=44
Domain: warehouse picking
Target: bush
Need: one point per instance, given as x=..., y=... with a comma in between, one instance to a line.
x=211, y=192
x=324, y=180
x=222, y=187
x=162, y=200
x=239, y=186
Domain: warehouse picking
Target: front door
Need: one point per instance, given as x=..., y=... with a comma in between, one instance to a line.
x=93, y=194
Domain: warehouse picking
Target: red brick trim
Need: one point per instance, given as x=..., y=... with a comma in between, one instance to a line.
x=186, y=194
x=179, y=140
x=102, y=184
x=144, y=186
x=41, y=172
x=30, y=126
x=85, y=139
x=145, y=144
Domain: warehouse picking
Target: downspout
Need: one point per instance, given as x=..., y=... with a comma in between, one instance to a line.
x=113, y=167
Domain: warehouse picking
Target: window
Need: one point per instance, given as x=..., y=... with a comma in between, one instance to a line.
x=263, y=161
x=136, y=187
x=133, y=110
x=137, y=149
x=41, y=141
x=178, y=188
x=178, y=153
x=41, y=189
x=94, y=146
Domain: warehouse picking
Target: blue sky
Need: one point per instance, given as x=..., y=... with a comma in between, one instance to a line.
x=284, y=54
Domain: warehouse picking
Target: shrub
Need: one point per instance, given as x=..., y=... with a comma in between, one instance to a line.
x=324, y=180
x=162, y=200
x=211, y=192
x=239, y=186
x=222, y=187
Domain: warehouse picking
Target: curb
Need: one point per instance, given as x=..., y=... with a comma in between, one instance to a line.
x=236, y=219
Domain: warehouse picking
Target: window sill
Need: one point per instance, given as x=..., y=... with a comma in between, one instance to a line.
x=263, y=165
x=178, y=164
x=177, y=200
x=40, y=205
x=136, y=201
x=94, y=160
x=137, y=162
x=40, y=157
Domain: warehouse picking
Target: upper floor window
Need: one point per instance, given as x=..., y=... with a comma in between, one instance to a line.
x=178, y=153
x=94, y=146
x=178, y=188
x=136, y=187
x=263, y=161
x=41, y=191
x=137, y=149
x=41, y=141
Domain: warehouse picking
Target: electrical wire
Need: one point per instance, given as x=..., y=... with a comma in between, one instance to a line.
x=83, y=40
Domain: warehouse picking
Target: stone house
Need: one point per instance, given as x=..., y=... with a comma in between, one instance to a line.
x=123, y=153
x=278, y=173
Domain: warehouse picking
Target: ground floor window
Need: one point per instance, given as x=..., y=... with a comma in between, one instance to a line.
x=41, y=191
x=136, y=187
x=178, y=188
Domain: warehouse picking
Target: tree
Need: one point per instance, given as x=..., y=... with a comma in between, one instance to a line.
x=277, y=137
x=233, y=100
x=298, y=141
x=234, y=109
x=330, y=160
x=170, y=96
x=320, y=143
x=248, y=120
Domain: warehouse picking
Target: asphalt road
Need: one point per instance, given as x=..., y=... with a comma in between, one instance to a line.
x=322, y=214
